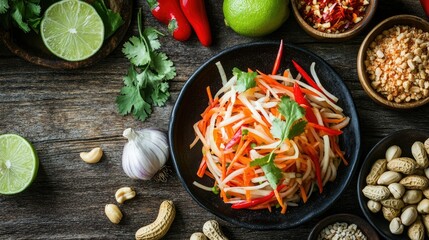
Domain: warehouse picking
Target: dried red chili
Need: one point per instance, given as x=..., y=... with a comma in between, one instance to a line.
x=332, y=16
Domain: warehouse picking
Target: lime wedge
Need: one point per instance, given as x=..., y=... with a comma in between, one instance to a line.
x=72, y=30
x=18, y=164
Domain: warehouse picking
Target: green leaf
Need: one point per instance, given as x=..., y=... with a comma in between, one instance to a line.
x=4, y=6
x=135, y=50
x=32, y=10
x=272, y=172
x=297, y=128
x=151, y=35
x=111, y=20
x=245, y=80
x=17, y=15
x=290, y=109
x=163, y=66
x=277, y=128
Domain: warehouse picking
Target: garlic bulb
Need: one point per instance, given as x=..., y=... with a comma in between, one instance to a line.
x=145, y=154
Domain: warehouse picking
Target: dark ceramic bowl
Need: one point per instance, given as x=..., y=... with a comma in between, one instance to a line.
x=363, y=225
x=31, y=48
x=404, y=139
x=193, y=100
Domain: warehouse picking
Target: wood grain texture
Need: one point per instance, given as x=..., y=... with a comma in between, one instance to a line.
x=64, y=112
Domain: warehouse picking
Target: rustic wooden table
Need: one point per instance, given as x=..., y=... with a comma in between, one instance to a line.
x=64, y=112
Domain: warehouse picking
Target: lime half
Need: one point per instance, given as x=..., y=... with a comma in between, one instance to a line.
x=18, y=164
x=72, y=30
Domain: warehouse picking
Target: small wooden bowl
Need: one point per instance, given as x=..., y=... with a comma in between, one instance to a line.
x=363, y=225
x=335, y=37
x=31, y=47
x=361, y=69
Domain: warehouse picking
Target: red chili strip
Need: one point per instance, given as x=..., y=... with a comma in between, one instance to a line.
x=235, y=139
x=278, y=58
x=301, y=100
x=307, y=77
x=256, y=201
x=328, y=131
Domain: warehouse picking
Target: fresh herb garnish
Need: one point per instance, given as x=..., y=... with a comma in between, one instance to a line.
x=245, y=80
x=25, y=14
x=111, y=20
x=146, y=82
x=292, y=126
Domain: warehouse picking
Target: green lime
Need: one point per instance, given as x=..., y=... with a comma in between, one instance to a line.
x=255, y=18
x=18, y=164
x=72, y=30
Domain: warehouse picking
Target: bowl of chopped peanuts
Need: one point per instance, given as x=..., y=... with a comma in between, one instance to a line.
x=393, y=64
x=332, y=20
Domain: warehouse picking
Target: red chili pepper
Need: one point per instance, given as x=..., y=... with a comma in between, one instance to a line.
x=235, y=139
x=169, y=13
x=256, y=201
x=307, y=77
x=329, y=131
x=299, y=98
x=278, y=58
x=425, y=5
x=195, y=12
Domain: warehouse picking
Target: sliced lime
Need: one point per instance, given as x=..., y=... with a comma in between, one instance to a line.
x=72, y=30
x=18, y=164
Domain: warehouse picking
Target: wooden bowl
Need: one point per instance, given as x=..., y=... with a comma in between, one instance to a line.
x=31, y=47
x=361, y=69
x=363, y=225
x=335, y=37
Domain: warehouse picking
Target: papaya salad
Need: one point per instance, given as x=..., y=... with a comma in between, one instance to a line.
x=269, y=140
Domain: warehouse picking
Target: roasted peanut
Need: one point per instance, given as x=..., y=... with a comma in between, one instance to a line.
x=124, y=193
x=409, y=216
x=393, y=203
x=396, y=226
x=160, y=226
x=93, y=156
x=113, y=213
x=377, y=169
x=198, y=236
x=419, y=153
x=376, y=193
x=426, y=193
x=396, y=189
x=412, y=196
x=415, y=182
x=416, y=231
x=389, y=177
x=374, y=206
x=393, y=152
x=426, y=144
x=423, y=206
x=404, y=165
x=427, y=172
x=390, y=213
x=212, y=230
x=425, y=220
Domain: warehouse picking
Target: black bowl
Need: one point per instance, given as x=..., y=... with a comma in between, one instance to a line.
x=363, y=225
x=404, y=139
x=193, y=100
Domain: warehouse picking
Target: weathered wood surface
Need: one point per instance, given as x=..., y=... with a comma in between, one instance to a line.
x=66, y=112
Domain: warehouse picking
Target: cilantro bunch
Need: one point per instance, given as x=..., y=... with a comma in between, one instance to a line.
x=25, y=14
x=146, y=84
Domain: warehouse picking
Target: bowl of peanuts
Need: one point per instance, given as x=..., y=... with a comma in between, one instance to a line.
x=393, y=64
x=393, y=185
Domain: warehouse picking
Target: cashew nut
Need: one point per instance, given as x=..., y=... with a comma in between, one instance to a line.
x=113, y=213
x=124, y=193
x=160, y=226
x=93, y=156
x=212, y=230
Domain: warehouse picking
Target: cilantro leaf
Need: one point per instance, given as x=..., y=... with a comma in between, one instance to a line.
x=272, y=172
x=4, y=6
x=136, y=51
x=292, y=112
x=111, y=20
x=245, y=80
x=146, y=82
